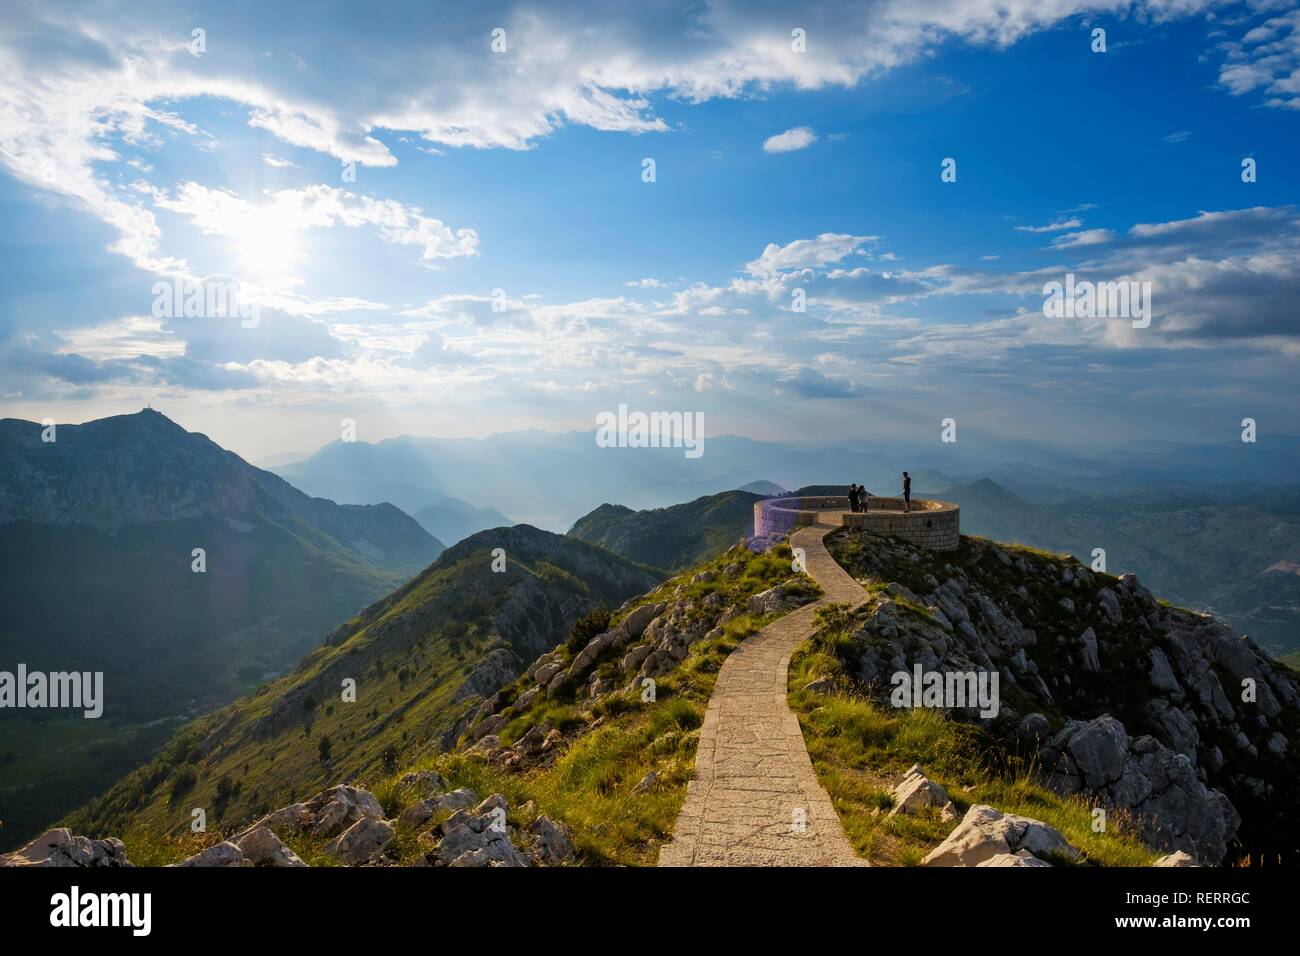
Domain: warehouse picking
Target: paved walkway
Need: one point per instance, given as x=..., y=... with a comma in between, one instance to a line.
x=753, y=780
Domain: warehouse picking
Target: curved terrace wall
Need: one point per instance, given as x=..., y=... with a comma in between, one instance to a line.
x=935, y=525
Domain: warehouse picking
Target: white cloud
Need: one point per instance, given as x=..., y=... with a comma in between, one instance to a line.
x=1088, y=237
x=289, y=211
x=275, y=162
x=803, y=253
x=800, y=137
x=1053, y=226
x=1266, y=58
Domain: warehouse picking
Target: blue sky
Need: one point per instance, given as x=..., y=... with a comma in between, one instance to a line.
x=125, y=159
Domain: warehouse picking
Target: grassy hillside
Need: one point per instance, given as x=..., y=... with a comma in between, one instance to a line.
x=421, y=660
x=861, y=748
x=672, y=538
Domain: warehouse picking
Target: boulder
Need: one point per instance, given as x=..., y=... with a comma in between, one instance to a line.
x=1109, y=604
x=985, y=833
x=1171, y=804
x=324, y=815
x=633, y=626
x=1034, y=729
x=1091, y=662
x=361, y=842
x=418, y=813
x=60, y=847
x=634, y=658
x=553, y=844
x=220, y=854
x=915, y=792
x=477, y=840
x=775, y=600
x=820, y=685
x=261, y=847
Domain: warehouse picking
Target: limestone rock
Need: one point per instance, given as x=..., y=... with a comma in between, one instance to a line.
x=261, y=847
x=916, y=792
x=324, y=815
x=220, y=854
x=59, y=847
x=554, y=846
x=985, y=833
x=477, y=840
x=361, y=842
x=1174, y=808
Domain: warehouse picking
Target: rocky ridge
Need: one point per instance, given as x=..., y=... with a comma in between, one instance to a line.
x=1161, y=713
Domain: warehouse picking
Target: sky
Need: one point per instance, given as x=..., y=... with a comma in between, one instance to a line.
x=442, y=215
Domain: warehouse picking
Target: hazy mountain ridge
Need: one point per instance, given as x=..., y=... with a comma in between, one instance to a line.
x=450, y=519
x=146, y=468
x=97, y=537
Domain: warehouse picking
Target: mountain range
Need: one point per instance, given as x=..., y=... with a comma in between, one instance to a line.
x=550, y=479
x=132, y=547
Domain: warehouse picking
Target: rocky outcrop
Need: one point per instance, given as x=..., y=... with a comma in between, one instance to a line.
x=324, y=815
x=1171, y=805
x=497, y=668
x=484, y=836
x=986, y=837
x=1207, y=718
x=60, y=847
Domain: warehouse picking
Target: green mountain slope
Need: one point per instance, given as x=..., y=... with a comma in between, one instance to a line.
x=97, y=533
x=676, y=537
x=421, y=658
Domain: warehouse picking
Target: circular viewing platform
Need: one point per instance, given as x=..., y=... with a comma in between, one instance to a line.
x=935, y=525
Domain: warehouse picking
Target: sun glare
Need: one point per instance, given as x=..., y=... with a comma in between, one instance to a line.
x=268, y=242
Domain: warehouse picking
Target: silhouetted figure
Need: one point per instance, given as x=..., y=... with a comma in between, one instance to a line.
x=853, y=497
x=863, y=497
x=907, y=492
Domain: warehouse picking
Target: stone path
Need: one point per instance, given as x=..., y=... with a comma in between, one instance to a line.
x=753, y=779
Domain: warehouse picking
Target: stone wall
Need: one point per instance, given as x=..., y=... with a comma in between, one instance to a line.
x=935, y=525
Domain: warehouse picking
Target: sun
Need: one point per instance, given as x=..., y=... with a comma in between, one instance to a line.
x=268, y=241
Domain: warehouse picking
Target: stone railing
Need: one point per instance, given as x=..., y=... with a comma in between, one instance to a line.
x=935, y=525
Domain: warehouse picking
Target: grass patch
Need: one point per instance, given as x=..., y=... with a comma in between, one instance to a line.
x=860, y=749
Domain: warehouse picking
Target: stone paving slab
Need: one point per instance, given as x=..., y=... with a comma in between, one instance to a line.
x=753, y=777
